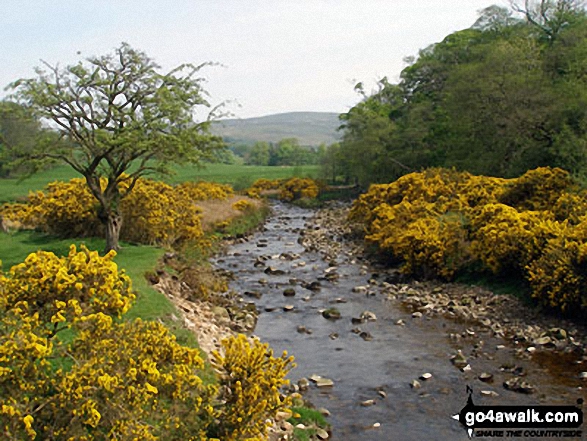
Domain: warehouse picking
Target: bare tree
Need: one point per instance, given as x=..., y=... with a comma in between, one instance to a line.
x=549, y=16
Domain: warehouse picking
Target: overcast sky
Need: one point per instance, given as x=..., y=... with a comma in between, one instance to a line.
x=277, y=55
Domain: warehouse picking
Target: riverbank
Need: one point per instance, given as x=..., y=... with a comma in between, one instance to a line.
x=557, y=343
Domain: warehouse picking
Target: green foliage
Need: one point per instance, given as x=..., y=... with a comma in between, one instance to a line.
x=119, y=112
x=500, y=98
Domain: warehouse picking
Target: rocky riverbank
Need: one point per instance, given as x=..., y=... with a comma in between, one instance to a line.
x=557, y=343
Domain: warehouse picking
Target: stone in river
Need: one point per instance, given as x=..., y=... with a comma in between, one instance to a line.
x=289, y=292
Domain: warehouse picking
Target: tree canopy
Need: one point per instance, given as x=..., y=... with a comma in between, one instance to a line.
x=122, y=118
x=499, y=98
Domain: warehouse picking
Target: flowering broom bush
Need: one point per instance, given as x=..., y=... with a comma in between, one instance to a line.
x=153, y=212
x=71, y=369
x=439, y=222
x=287, y=189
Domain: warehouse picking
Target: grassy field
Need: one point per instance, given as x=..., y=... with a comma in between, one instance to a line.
x=239, y=176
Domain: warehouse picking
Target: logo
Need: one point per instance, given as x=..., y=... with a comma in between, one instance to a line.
x=518, y=421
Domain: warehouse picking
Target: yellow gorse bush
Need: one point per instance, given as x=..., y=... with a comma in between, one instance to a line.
x=250, y=378
x=288, y=189
x=153, y=212
x=114, y=379
x=439, y=222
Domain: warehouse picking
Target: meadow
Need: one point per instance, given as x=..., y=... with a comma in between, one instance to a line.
x=238, y=176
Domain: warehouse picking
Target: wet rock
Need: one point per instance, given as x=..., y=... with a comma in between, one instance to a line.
x=333, y=336
x=303, y=330
x=321, y=381
x=459, y=360
x=288, y=308
x=583, y=375
x=368, y=316
x=486, y=377
x=400, y=322
x=331, y=314
x=417, y=314
x=339, y=300
x=366, y=336
x=289, y=292
x=360, y=289
x=357, y=320
x=368, y=403
x=426, y=376
x=253, y=294
x=543, y=341
x=303, y=384
x=415, y=384
x=516, y=384
x=489, y=393
x=273, y=271
x=312, y=286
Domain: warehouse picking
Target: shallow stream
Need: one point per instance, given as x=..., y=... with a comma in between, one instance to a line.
x=380, y=368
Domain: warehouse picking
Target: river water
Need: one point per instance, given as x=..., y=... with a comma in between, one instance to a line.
x=379, y=369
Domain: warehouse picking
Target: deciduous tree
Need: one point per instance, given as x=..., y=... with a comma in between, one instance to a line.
x=124, y=119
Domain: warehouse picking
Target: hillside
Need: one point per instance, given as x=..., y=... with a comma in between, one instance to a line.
x=310, y=128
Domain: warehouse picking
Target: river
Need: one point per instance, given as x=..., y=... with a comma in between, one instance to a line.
x=374, y=360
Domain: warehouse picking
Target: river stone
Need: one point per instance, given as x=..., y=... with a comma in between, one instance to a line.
x=321, y=434
x=289, y=292
x=368, y=403
x=366, y=336
x=288, y=308
x=333, y=336
x=583, y=375
x=516, y=384
x=369, y=316
x=331, y=314
x=254, y=294
x=489, y=393
x=486, y=377
x=416, y=314
x=543, y=341
x=273, y=271
x=459, y=360
x=324, y=412
x=303, y=384
x=426, y=376
x=400, y=322
x=221, y=312
x=415, y=384
x=321, y=381
x=356, y=320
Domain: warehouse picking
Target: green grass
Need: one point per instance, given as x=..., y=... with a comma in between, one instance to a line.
x=134, y=259
x=239, y=176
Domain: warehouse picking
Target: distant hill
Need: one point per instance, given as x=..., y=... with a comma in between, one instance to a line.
x=310, y=128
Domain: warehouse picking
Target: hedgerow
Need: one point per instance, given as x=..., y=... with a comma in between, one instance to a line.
x=70, y=368
x=441, y=222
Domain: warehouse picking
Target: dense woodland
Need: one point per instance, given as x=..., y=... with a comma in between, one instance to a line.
x=506, y=95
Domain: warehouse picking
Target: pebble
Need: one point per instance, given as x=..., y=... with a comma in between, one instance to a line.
x=416, y=314
x=415, y=384
x=426, y=376
x=368, y=403
x=288, y=308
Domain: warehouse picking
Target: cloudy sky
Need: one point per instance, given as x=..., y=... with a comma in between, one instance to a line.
x=276, y=55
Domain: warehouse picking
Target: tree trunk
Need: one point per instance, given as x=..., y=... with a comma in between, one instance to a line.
x=113, y=224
